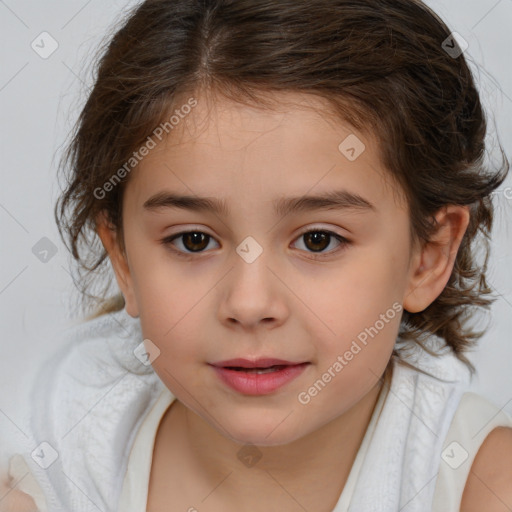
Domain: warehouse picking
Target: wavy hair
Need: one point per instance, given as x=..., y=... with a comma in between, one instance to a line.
x=382, y=65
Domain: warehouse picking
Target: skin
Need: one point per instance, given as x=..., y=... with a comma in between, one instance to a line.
x=14, y=500
x=215, y=306
x=212, y=306
x=489, y=484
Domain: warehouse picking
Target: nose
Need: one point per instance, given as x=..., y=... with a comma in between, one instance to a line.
x=253, y=294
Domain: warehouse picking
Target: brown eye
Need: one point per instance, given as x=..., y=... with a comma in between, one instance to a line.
x=191, y=241
x=195, y=241
x=317, y=241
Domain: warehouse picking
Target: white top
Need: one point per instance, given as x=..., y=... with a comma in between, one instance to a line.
x=96, y=408
x=136, y=483
x=466, y=430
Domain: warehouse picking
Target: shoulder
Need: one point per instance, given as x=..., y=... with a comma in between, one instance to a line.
x=489, y=484
x=14, y=500
x=19, y=489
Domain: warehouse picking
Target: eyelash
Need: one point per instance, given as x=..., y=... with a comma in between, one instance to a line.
x=343, y=242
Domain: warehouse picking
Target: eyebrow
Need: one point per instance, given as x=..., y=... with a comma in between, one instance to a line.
x=333, y=200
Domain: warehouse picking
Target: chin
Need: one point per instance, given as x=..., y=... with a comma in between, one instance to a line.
x=258, y=432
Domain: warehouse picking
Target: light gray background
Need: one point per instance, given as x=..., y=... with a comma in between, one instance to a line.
x=40, y=100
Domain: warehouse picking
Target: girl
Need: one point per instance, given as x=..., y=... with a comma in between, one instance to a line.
x=291, y=195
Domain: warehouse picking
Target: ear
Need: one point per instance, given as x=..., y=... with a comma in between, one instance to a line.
x=108, y=236
x=432, y=263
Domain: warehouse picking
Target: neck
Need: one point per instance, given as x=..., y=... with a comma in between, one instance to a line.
x=327, y=453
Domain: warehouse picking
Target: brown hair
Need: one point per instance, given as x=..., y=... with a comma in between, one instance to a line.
x=380, y=64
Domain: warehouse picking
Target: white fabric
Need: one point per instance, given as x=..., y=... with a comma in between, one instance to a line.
x=92, y=399
x=134, y=496
x=402, y=462
x=474, y=420
x=88, y=403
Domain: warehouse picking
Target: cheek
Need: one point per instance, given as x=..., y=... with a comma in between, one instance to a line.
x=176, y=331
x=170, y=293
x=358, y=312
x=181, y=351
x=172, y=313
x=353, y=296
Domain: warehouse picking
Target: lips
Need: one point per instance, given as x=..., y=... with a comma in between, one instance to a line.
x=257, y=377
x=257, y=363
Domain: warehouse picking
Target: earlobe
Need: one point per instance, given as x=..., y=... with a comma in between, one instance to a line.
x=108, y=237
x=433, y=262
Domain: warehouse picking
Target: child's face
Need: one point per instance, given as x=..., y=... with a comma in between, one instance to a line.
x=230, y=301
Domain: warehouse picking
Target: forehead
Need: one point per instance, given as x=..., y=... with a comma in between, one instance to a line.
x=238, y=152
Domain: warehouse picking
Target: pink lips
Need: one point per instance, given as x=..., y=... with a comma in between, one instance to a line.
x=271, y=374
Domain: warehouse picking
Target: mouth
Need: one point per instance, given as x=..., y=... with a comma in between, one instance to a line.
x=259, y=371
x=262, y=365
x=257, y=377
